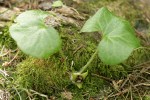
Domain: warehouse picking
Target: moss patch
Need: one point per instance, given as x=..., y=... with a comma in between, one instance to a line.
x=44, y=76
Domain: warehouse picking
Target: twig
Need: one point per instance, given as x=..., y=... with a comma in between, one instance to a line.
x=105, y=78
x=125, y=81
x=42, y=95
x=4, y=73
x=135, y=89
x=7, y=52
x=8, y=63
x=131, y=93
x=77, y=49
x=18, y=93
x=147, y=62
x=120, y=93
x=2, y=50
x=144, y=84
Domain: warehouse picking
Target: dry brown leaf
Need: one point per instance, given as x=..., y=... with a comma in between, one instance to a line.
x=69, y=12
x=6, y=14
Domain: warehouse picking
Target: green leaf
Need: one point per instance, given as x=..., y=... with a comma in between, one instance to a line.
x=33, y=36
x=57, y=4
x=118, y=37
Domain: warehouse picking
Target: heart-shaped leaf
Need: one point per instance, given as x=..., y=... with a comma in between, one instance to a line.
x=34, y=36
x=118, y=37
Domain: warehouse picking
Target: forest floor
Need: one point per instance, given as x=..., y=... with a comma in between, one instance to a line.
x=26, y=78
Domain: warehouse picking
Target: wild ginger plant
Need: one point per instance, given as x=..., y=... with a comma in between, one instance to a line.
x=37, y=38
x=117, y=43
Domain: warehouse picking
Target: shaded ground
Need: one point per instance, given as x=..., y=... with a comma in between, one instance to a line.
x=24, y=77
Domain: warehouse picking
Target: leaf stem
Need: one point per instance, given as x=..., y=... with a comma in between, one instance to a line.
x=88, y=63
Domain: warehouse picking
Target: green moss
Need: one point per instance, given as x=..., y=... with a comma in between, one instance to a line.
x=44, y=76
x=6, y=40
x=51, y=78
x=139, y=56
